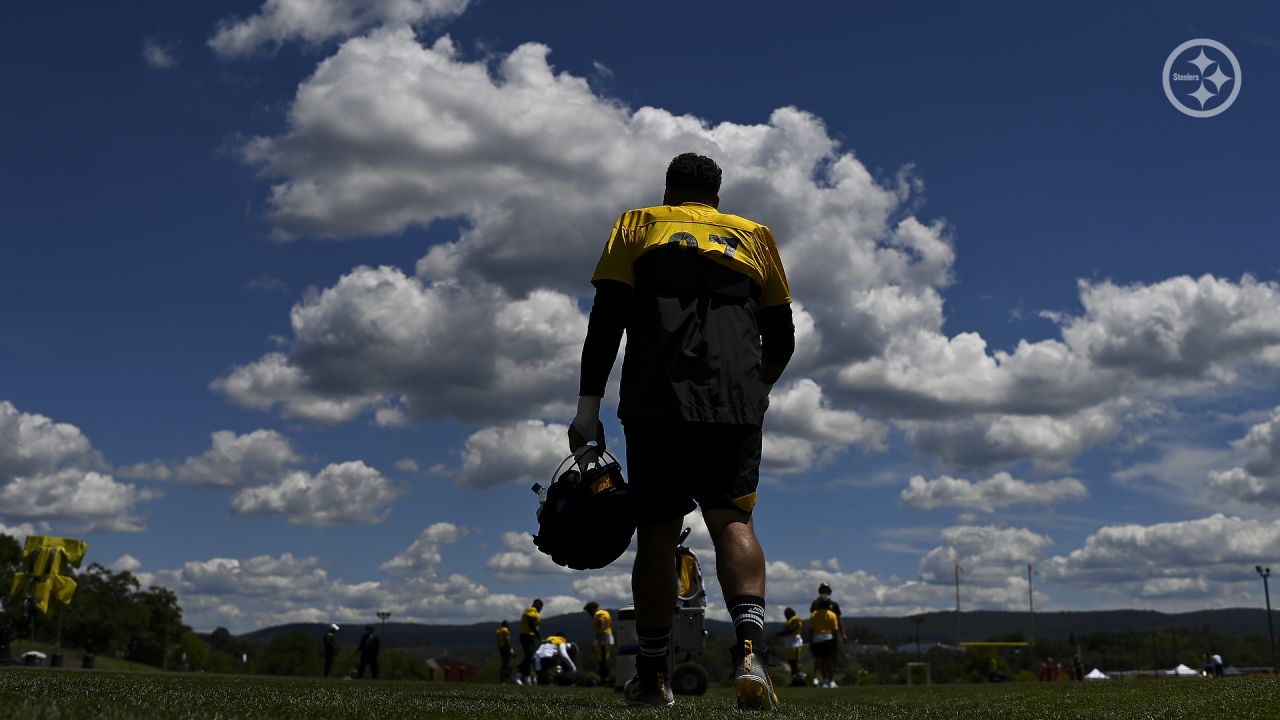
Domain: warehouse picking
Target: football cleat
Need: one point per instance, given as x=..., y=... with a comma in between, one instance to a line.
x=648, y=689
x=751, y=681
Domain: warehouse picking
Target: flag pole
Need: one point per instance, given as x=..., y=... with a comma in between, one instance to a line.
x=1031, y=604
x=957, y=604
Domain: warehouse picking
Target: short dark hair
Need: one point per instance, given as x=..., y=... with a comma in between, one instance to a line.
x=591, y=606
x=537, y=602
x=694, y=173
x=824, y=589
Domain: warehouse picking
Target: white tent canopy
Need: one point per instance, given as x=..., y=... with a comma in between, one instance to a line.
x=1097, y=674
x=1182, y=671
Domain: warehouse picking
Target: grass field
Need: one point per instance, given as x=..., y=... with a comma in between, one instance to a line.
x=32, y=694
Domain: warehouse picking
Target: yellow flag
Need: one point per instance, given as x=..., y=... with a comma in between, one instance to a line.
x=47, y=559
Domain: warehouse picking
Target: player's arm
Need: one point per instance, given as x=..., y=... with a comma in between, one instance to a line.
x=777, y=341
x=564, y=653
x=609, y=313
x=777, y=329
x=613, y=279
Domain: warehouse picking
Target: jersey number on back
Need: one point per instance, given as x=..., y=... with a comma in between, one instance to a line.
x=730, y=243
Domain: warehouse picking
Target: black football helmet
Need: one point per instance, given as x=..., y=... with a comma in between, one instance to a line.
x=585, y=516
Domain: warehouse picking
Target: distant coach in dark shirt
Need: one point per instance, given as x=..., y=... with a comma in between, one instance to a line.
x=370, y=645
x=824, y=593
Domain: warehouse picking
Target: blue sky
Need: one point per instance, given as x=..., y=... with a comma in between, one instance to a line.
x=354, y=241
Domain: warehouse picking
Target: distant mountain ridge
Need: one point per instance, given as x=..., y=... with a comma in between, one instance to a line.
x=935, y=627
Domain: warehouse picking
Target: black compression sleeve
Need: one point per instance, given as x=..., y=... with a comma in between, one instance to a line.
x=608, y=320
x=777, y=339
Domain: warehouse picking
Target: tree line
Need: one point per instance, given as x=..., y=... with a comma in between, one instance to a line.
x=113, y=615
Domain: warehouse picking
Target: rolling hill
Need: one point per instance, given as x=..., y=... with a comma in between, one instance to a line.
x=935, y=627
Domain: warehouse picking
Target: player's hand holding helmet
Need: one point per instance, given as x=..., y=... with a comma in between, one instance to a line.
x=586, y=429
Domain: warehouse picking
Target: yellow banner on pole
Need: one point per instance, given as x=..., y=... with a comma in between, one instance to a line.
x=47, y=559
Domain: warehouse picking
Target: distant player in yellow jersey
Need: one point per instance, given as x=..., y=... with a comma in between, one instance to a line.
x=602, y=629
x=792, y=635
x=530, y=638
x=553, y=660
x=505, y=653
x=704, y=301
x=824, y=627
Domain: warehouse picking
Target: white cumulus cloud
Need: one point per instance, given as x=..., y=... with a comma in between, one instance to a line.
x=232, y=461
x=518, y=453
x=999, y=490
x=424, y=556
x=49, y=471
x=1257, y=480
x=341, y=493
x=317, y=21
x=1208, y=559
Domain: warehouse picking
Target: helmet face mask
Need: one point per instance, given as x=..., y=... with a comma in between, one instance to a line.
x=585, y=517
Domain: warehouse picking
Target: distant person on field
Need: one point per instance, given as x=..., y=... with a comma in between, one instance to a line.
x=792, y=635
x=530, y=638
x=602, y=627
x=1217, y=663
x=330, y=648
x=370, y=645
x=555, y=652
x=505, y=653
x=824, y=593
x=823, y=626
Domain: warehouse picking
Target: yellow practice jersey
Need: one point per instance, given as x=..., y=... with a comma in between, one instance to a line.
x=729, y=240
x=504, y=637
x=603, y=622
x=823, y=622
x=794, y=625
x=529, y=621
x=700, y=280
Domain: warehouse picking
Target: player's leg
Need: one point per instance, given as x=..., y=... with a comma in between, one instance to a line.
x=727, y=493
x=656, y=461
x=739, y=557
x=602, y=661
x=653, y=585
x=526, y=662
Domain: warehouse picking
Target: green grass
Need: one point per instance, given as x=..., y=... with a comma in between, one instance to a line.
x=32, y=694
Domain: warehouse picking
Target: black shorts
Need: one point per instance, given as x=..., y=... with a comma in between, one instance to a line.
x=673, y=467
x=824, y=649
